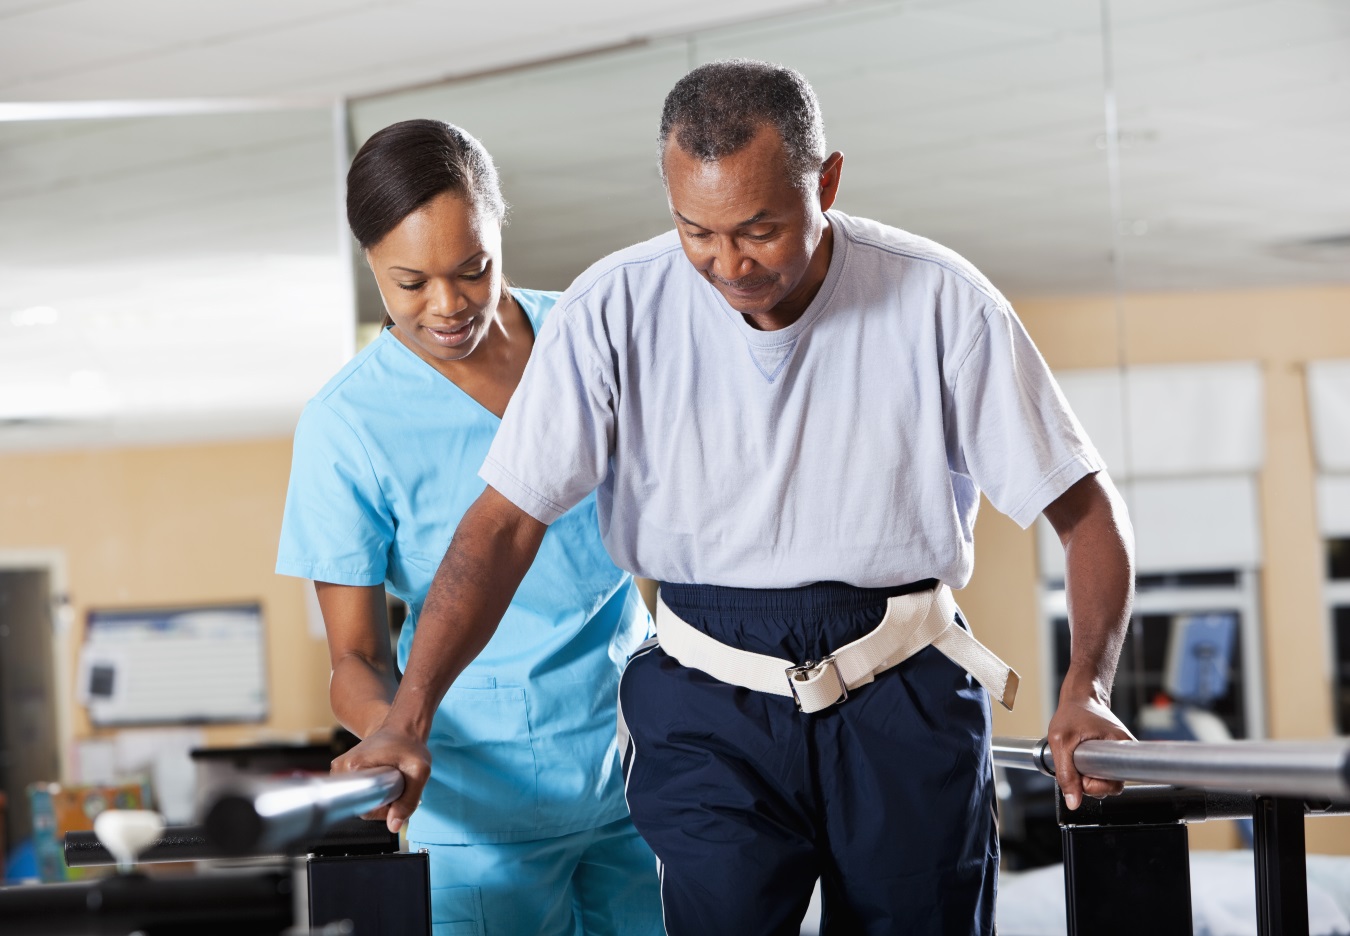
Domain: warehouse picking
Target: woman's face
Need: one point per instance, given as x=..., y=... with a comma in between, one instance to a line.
x=439, y=272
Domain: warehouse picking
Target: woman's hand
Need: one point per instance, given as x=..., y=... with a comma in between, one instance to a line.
x=387, y=747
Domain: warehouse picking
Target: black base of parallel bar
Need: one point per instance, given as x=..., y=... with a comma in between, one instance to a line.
x=1281, y=861
x=192, y=843
x=215, y=905
x=1141, y=834
x=340, y=888
x=1127, y=880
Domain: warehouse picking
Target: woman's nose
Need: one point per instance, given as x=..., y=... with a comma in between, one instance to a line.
x=442, y=300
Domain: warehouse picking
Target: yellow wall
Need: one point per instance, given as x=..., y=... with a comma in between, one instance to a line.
x=174, y=526
x=1283, y=329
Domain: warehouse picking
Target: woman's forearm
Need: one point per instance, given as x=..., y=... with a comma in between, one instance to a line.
x=360, y=692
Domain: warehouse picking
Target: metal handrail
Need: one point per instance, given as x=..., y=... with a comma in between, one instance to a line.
x=1297, y=769
x=264, y=817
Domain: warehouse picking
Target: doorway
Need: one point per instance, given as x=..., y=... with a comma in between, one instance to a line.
x=29, y=736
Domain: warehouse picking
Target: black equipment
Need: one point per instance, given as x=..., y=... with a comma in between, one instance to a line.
x=352, y=880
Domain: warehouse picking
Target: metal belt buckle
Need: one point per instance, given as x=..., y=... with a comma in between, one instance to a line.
x=809, y=670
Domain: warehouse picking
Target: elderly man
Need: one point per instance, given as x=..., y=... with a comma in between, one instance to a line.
x=790, y=414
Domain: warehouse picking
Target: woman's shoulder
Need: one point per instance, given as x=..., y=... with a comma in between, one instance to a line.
x=537, y=303
x=376, y=377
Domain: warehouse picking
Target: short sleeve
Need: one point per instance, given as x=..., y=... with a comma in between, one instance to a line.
x=557, y=434
x=337, y=527
x=1015, y=435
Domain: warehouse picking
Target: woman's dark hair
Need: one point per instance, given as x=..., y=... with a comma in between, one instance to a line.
x=406, y=165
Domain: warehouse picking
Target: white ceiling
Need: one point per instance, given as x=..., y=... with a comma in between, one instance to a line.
x=979, y=123
x=192, y=262
x=73, y=50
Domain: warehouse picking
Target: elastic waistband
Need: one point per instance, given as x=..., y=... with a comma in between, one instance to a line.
x=817, y=598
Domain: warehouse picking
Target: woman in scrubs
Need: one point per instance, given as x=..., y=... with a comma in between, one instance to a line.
x=524, y=815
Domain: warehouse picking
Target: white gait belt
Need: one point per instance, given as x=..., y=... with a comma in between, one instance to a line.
x=912, y=622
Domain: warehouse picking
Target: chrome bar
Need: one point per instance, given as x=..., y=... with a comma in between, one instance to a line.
x=1024, y=754
x=264, y=817
x=1295, y=769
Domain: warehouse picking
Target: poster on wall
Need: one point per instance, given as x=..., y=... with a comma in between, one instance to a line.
x=195, y=665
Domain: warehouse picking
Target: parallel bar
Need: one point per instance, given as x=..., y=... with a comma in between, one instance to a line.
x=265, y=817
x=1281, y=868
x=1290, y=769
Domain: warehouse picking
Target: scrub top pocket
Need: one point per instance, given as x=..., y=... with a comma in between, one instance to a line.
x=483, y=771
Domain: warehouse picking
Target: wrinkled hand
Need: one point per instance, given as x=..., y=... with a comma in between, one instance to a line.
x=387, y=747
x=1082, y=717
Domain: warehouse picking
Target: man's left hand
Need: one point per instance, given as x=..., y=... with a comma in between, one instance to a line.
x=1082, y=716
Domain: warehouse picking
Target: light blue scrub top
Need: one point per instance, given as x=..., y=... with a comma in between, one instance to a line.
x=385, y=465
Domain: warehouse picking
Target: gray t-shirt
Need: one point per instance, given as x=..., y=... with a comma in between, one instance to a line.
x=850, y=446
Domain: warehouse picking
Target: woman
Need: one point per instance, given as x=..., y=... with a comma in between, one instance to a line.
x=524, y=815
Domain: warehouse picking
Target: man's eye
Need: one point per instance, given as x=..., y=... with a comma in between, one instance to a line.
x=698, y=235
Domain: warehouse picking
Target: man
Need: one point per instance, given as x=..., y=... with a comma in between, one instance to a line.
x=789, y=414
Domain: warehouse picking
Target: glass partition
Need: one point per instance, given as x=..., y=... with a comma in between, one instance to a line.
x=169, y=270
x=970, y=123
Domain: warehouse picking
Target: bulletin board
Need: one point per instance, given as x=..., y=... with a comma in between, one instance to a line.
x=186, y=665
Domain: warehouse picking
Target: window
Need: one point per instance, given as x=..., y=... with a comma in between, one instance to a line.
x=1191, y=647
x=1338, y=610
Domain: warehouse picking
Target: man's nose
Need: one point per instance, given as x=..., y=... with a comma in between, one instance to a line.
x=729, y=261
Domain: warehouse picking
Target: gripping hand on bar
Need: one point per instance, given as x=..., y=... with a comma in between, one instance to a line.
x=405, y=752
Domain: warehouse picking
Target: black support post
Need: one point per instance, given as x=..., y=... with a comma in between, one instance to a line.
x=1127, y=880
x=1281, y=867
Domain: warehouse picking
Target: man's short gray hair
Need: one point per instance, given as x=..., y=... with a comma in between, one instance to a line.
x=715, y=110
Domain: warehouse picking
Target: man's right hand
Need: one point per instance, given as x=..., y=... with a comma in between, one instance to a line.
x=388, y=747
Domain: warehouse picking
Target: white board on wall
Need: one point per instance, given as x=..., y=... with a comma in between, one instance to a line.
x=1329, y=408
x=1184, y=419
x=1333, y=505
x=174, y=666
x=1181, y=525
x=1196, y=419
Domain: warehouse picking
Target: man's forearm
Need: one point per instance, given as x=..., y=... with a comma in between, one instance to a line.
x=491, y=551
x=1099, y=587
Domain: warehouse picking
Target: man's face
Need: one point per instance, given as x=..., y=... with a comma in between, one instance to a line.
x=749, y=229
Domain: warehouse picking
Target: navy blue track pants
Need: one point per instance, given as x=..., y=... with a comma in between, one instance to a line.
x=887, y=797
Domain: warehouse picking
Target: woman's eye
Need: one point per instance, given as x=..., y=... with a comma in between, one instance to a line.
x=410, y=287
x=476, y=276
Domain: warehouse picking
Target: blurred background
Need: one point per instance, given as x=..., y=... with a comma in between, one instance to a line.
x=1159, y=186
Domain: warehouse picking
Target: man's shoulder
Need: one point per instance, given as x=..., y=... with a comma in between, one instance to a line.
x=651, y=260
x=886, y=245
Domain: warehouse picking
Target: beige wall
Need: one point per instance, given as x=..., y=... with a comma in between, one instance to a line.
x=186, y=525
x=1282, y=329
x=174, y=526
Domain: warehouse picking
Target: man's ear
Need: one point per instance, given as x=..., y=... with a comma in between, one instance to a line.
x=829, y=179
